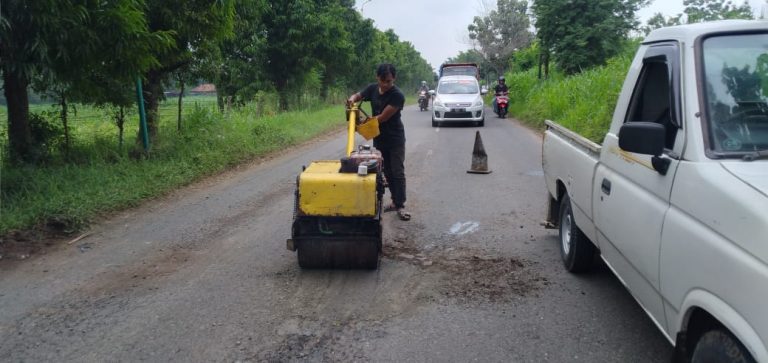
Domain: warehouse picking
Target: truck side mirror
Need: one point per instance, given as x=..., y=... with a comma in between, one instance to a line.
x=642, y=138
x=645, y=138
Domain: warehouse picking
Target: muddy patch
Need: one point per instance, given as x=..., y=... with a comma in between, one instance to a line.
x=469, y=275
x=472, y=276
x=21, y=245
x=303, y=340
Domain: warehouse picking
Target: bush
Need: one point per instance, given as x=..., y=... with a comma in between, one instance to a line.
x=584, y=102
x=47, y=135
x=66, y=195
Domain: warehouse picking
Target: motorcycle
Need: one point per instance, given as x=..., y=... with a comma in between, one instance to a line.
x=502, y=101
x=423, y=101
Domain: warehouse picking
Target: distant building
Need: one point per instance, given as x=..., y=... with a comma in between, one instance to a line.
x=203, y=89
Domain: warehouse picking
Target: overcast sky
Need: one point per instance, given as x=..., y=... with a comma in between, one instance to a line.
x=438, y=28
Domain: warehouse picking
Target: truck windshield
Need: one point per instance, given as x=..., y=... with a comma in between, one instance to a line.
x=457, y=87
x=736, y=86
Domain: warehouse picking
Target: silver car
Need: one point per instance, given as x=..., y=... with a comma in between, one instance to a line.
x=458, y=99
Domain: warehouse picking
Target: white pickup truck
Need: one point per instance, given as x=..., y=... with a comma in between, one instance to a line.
x=675, y=200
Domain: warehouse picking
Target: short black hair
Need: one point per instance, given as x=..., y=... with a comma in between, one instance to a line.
x=384, y=69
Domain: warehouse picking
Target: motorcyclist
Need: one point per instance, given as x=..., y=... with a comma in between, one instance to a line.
x=501, y=88
x=424, y=88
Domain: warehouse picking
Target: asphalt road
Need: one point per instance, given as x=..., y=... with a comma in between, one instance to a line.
x=203, y=274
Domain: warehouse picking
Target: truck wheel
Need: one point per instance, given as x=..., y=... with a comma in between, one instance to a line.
x=576, y=249
x=720, y=346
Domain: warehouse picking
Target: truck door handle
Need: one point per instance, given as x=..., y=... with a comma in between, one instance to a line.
x=605, y=186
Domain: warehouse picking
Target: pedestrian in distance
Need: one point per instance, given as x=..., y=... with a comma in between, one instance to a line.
x=386, y=103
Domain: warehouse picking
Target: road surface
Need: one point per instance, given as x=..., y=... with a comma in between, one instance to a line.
x=203, y=274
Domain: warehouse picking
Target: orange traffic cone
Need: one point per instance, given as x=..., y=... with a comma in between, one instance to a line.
x=479, y=157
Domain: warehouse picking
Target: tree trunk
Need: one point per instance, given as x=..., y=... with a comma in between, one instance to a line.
x=19, y=132
x=326, y=86
x=283, y=101
x=120, y=126
x=220, y=99
x=153, y=92
x=546, y=64
x=64, y=121
x=181, y=94
x=282, y=91
x=541, y=63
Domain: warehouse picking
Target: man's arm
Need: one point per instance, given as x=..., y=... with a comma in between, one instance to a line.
x=387, y=113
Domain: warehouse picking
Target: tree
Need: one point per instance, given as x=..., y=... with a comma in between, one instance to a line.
x=198, y=27
x=501, y=32
x=59, y=41
x=584, y=33
x=302, y=35
x=658, y=20
x=697, y=11
x=364, y=49
x=708, y=10
x=526, y=58
x=239, y=70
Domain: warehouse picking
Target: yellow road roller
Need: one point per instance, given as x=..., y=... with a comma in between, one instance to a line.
x=337, y=210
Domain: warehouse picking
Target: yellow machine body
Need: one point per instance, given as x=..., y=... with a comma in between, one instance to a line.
x=326, y=192
x=337, y=215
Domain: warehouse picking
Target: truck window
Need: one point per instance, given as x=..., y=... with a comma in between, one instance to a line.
x=651, y=99
x=736, y=84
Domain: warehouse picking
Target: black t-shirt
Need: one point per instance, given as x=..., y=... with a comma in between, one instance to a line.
x=391, y=132
x=501, y=88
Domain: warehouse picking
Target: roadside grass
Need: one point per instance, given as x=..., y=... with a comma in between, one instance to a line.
x=99, y=177
x=583, y=103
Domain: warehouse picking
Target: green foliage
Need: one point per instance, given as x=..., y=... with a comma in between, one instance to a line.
x=584, y=102
x=71, y=47
x=697, y=11
x=658, y=20
x=708, y=10
x=584, y=33
x=238, y=70
x=526, y=58
x=47, y=135
x=300, y=36
x=72, y=194
x=198, y=28
x=92, y=52
x=500, y=33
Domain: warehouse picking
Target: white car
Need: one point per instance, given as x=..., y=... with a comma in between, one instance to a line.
x=458, y=99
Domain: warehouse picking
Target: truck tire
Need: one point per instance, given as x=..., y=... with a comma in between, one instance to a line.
x=719, y=345
x=576, y=250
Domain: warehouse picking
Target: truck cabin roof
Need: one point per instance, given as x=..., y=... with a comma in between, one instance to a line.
x=690, y=32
